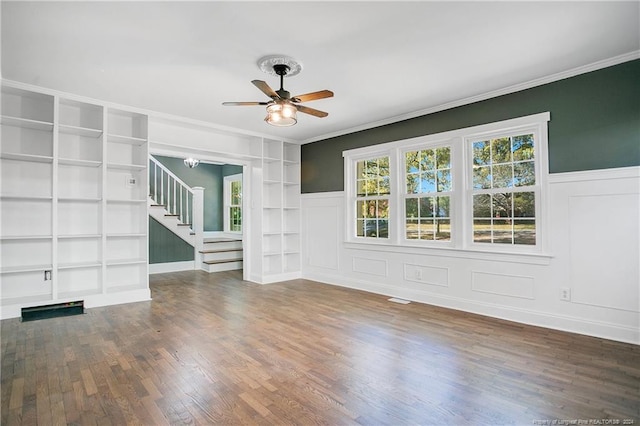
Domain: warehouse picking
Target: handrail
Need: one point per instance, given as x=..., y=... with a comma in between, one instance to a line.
x=167, y=189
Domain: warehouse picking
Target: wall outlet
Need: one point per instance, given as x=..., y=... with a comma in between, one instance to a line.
x=47, y=275
x=131, y=181
x=565, y=293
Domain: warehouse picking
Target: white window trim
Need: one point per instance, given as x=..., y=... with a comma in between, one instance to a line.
x=461, y=201
x=227, y=202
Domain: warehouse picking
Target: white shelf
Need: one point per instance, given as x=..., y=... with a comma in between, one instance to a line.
x=79, y=236
x=133, y=167
x=25, y=268
x=26, y=123
x=131, y=140
x=78, y=162
x=25, y=237
x=26, y=157
x=118, y=262
x=80, y=265
x=125, y=201
x=79, y=199
x=23, y=197
x=80, y=131
x=126, y=235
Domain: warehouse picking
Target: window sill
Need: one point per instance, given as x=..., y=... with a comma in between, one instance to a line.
x=475, y=254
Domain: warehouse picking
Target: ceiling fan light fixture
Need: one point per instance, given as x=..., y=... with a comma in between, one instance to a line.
x=281, y=114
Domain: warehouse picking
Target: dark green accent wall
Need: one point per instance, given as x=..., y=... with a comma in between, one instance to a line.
x=165, y=246
x=595, y=124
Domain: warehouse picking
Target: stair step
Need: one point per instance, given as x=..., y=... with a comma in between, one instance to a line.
x=215, y=262
x=184, y=224
x=158, y=205
x=221, y=240
x=219, y=250
x=171, y=215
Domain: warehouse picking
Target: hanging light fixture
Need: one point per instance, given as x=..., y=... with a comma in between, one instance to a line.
x=281, y=113
x=191, y=162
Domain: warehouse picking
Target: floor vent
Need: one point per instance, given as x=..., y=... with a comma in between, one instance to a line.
x=53, y=311
x=401, y=301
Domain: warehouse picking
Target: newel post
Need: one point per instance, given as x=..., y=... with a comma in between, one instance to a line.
x=198, y=224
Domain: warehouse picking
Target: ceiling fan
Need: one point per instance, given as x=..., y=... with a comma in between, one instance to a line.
x=281, y=110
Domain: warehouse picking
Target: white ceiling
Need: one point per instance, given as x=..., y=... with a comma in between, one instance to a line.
x=383, y=60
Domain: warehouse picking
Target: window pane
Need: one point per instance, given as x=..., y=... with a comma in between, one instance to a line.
x=413, y=183
x=444, y=180
x=502, y=176
x=428, y=182
x=524, y=232
x=524, y=204
x=524, y=174
x=383, y=166
x=523, y=147
x=412, y=161
x=426, y=207
x=443, y=229
x=360, y=170
x=384, y=188
x=383, y=229
x=482, y=177
x=361, y=188
x=361, y=209
x=442, y=207
x=412, y=229
x=501, y=150
x=427, y=160
x=502, y=231
x=481, y=153
x=371, y=228
x=502, y=205
x=481, y=231
x=360, y=228
x=443, y=158
x=482, y=205
x=371, y=169
x=383, y=209
x=411, y=205
x=426, y=229
x=370, y=209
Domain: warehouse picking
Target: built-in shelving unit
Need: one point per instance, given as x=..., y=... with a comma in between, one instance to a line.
x=72, y=199
x=280, y=210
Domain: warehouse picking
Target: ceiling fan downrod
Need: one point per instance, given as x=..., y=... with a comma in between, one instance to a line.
x=282, y=70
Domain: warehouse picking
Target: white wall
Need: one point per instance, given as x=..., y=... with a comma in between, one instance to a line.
x=594, y=235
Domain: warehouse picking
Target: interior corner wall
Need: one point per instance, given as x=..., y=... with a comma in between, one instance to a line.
x=595, y=124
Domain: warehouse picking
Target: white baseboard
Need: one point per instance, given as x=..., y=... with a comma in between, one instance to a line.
x=161, y=268
x=540, y=319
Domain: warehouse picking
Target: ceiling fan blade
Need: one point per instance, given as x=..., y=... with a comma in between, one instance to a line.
x=264, y=87
x=313, y=96
x=243, y=103
x=311, y=111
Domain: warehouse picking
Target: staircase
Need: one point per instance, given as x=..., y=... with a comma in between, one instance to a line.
x=179, y=208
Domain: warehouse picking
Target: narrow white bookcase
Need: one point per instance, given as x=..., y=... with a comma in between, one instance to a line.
x=280, y=211
x=73, y=219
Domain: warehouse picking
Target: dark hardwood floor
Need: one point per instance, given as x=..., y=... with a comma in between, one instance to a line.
x=212, y=349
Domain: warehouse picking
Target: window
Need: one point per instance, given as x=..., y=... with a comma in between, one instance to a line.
x=480, y=188
x=233, y=203
x=372, y=199
x=427, y=197
x=504, y=190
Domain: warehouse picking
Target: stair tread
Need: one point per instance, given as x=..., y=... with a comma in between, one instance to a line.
x=220, y=240
x=184, y=224
x=158, y=205
x=213, y=262
x=220, y=250
x=171, y=215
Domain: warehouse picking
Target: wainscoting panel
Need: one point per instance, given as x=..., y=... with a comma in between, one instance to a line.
x=502, y=284
x=611, y=222
x=370, y=266
x=426, y=274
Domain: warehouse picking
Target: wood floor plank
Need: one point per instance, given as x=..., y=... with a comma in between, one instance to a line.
x=213, y=349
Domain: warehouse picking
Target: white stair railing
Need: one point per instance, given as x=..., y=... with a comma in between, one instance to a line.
x=168, y=190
